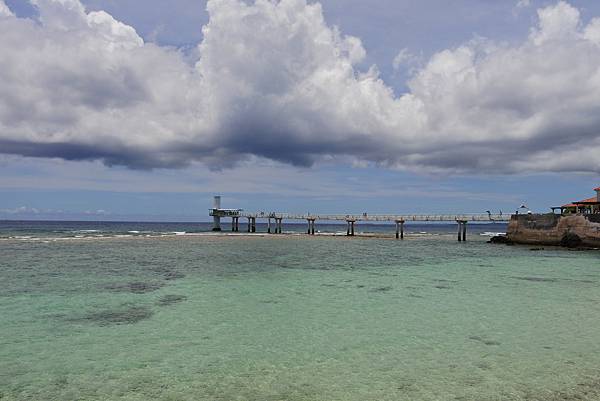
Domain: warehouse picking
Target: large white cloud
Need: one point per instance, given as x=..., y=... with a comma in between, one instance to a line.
x=4, y=10
x=273, y=80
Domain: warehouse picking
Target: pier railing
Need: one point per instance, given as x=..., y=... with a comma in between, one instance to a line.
x=481, y=217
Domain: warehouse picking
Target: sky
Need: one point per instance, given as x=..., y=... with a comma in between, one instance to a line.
x=143, y=110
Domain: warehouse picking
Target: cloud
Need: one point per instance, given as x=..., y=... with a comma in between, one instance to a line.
x=26, y=212
x=21, y=210
x=405, y=58
x=4, y=10
x=273, y=80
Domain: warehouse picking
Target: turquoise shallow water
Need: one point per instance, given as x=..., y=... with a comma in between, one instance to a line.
x=297, y=318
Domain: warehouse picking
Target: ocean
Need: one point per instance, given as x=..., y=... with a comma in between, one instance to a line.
x=170, y=311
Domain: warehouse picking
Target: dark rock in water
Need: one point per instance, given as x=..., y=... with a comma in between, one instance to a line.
x=500, y=239
x=170, y=300
x=570, y=240
x=136, y=287
x=129, y=315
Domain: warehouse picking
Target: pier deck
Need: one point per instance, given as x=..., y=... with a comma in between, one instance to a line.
x=380, y=217
x=399, y=219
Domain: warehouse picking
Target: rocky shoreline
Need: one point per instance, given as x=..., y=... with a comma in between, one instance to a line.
x=571, y=231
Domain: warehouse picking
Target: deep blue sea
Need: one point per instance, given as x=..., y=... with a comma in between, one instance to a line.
x=35, y=230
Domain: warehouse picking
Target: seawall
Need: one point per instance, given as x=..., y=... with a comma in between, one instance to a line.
x=552, y=229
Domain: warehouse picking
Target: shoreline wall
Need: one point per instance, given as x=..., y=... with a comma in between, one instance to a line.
x=555, y=230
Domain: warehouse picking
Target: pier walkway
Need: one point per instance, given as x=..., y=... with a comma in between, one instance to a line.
x=275, y=219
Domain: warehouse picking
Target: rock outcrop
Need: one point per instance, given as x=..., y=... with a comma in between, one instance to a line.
x=572, y=231
x=500, y=239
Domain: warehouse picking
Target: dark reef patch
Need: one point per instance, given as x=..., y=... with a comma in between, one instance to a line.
x=582, y=391
x=269, y=301
x=553, y=280
x=136, y=287
x=123, y=315
x=172, y=275
x=484, y=340
x=170, y=299
x=537, y=279
x=382, y=289
x=483, y=366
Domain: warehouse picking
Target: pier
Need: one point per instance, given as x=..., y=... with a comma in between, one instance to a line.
x=275, y=220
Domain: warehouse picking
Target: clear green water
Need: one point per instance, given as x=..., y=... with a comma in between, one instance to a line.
x=297, y=318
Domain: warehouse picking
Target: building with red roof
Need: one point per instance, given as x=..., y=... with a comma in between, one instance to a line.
x=585, y=206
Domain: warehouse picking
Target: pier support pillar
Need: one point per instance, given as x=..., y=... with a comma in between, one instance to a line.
x=237, y=224
x=312, y=229
x=216, y=219
x=249, y=224
x=216, y=223
x=277, y=226
x=254, y=224
x=462, y=230
x=350, y=228
x=399, y=229
x=269, y=226
x=233, y=224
